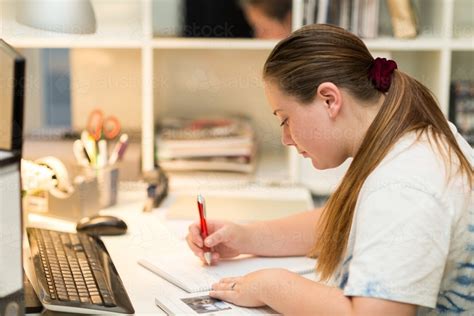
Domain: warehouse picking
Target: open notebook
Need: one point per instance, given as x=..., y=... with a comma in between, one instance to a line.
x=187, y=271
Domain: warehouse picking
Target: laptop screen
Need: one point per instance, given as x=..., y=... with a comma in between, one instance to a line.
x=12, y=67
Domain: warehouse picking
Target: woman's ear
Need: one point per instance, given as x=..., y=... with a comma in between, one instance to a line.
x=331, y=96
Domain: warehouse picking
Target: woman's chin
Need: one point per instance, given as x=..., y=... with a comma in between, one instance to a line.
x=317, y=164
x=322, y=166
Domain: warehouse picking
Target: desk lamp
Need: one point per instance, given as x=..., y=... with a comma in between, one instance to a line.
x=63, y=16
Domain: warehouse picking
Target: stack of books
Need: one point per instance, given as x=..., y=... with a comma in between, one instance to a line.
x=206, y=144
x=461, y=109
x=361, y=17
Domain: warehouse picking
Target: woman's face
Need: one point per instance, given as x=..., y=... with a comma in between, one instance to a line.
x=308, y=127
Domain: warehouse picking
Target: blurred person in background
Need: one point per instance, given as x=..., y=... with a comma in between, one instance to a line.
x=270, y=19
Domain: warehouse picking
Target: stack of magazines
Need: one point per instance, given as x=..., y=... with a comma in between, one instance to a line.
x=206, y=144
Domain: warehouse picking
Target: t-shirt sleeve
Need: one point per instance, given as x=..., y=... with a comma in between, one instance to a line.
x=402, y=237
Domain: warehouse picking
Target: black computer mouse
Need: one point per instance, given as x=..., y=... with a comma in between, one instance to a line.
x=101, y=225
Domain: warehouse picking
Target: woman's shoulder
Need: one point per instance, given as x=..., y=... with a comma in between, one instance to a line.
x=417, y=162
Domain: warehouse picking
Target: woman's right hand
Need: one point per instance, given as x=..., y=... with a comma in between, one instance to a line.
x=225, y=239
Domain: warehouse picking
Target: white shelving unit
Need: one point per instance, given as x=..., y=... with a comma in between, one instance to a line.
x=181, y=76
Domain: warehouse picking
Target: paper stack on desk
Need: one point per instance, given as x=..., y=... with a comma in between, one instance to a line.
x=216, y=144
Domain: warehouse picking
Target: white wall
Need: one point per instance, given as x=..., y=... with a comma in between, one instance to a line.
x=108, y=79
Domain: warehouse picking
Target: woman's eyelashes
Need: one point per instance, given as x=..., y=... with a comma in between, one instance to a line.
x=284, y=122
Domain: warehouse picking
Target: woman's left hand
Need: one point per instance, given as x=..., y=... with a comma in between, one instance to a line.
x=246, y=290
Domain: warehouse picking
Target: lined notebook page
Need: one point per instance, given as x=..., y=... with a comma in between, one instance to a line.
x=187, y=271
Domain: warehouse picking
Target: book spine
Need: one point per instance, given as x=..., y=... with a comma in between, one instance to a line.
x=355, y=16
x=322, y=11
x=403, y=18
x=344, y=16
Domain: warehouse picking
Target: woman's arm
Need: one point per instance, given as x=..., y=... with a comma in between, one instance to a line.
x=306, y=297
x=291, y=294
x=290, y=236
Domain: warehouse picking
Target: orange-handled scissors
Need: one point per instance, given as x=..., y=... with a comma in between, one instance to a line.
x=100, y=127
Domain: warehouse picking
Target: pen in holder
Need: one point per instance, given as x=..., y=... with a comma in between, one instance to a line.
x=107, y=183
x=91, y=153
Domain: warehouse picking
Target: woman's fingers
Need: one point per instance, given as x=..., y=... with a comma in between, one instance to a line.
x=226, y=284
x=195, y=249
x=223, y=286
x=196, y=243
x=222, y=235
x=229, y=279
x=195, y=233
x=228, y=296
x=216, y=241
x=225, y=289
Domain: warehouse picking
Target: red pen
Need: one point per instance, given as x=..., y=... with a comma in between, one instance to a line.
x=204, y=233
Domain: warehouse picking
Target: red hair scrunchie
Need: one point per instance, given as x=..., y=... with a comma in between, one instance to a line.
x=380, y=73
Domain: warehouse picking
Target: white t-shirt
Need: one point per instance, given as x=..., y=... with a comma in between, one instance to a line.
x=412, y=236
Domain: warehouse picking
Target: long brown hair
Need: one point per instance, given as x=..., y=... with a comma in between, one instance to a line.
x=324, y=53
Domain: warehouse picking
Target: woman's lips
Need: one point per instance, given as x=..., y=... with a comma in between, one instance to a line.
x=304, y=154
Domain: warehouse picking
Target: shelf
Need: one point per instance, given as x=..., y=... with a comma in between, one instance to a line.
x=192, y=76
x=53, y=40
x=207, y=43
x=118, y=26
x=387, y=43
x=394, y=44
x=48, y=42
x=462, y=44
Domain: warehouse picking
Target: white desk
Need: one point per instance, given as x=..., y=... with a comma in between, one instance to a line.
x=147, y=233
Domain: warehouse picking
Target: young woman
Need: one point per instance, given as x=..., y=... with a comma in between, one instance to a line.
x=397, y=235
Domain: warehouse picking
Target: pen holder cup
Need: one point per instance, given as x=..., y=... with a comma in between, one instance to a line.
x=81, y=202
x=107, y=184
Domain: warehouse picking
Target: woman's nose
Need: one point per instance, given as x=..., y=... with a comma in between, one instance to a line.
x=286, y=138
